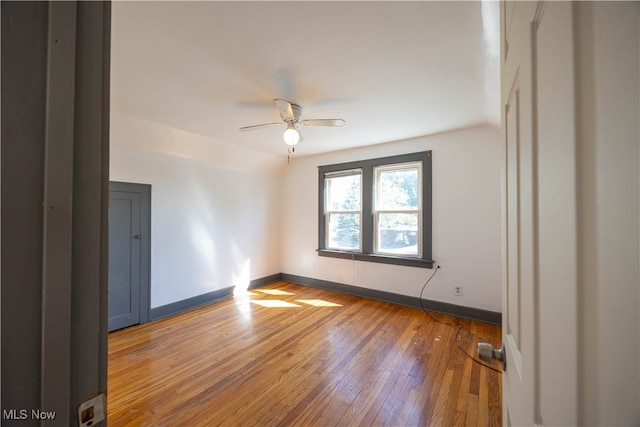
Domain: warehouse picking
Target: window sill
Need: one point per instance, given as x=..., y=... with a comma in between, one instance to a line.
x=384, y=259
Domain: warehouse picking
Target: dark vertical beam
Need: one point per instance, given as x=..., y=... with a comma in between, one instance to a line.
x=103, y=298
x=23, y=88
x=54, y=177
x=89, y=313
x=57, y=214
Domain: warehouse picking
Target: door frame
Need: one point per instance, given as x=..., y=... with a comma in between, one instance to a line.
x=144, y=190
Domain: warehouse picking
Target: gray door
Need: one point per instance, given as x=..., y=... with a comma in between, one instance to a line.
x=129, y=207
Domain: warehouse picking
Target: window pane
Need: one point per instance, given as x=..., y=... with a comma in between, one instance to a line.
x=344, y=231
x=397, y=189
x=398, y=233
x=343, y=193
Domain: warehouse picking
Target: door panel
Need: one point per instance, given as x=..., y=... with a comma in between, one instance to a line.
x=519, y=244
x=124, y=260
x=513, y=301
x=129, y=251
x=557, y=213
x=539, y=214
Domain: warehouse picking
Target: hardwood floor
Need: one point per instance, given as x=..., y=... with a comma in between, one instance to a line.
x=297, y=356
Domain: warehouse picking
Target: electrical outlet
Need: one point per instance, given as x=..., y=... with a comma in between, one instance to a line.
x=457, y=290
x=91, y=412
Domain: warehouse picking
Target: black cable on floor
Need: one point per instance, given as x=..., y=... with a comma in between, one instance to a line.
x=451, y=324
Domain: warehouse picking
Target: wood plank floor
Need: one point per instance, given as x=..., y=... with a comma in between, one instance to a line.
x=297, y=356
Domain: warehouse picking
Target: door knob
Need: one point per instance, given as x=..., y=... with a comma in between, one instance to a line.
x=487, y=353
x=138, y=236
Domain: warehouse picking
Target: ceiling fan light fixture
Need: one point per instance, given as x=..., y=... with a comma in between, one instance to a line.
x=291, y=135
x=290, y=114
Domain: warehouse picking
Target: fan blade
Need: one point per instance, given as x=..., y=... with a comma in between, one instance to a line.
x=284, y=107
x=324, y=122
x=264, y=125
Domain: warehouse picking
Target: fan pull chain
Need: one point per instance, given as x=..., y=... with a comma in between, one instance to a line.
x=290, y=149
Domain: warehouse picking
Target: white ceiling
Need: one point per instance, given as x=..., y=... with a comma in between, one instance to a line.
x=392, y=70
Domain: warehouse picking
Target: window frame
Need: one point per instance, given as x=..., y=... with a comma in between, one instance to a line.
x=329, y=212
x=377, y=171
x=368, y=230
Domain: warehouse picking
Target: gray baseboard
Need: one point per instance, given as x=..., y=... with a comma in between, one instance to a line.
x=256, y=283
x=198, y=300
x=409, y=301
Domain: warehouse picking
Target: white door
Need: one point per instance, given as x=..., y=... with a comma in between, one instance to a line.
x=539, y=214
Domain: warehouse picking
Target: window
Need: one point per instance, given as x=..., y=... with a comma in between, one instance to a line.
x=397, y=214
x=343, y=212
x=377, y=210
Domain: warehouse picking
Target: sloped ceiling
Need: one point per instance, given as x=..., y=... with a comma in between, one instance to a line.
x=392, y=70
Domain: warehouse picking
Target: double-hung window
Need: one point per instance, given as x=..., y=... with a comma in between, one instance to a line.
x=397, y=212
x=343, y=211
x=377, y=210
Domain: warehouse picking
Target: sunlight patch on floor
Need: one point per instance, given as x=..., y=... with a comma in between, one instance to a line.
x=242, y=304
x=240, y=296
x=273, y=292
x=318, y=303
x=274, y=303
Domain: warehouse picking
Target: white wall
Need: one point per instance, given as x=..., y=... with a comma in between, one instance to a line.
x=610, y=290
x=466, y=221
x=223, y=215
x=215, y=207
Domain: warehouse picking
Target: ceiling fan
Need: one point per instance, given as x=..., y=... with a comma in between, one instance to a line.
x=291, y=115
